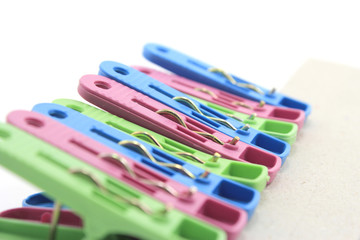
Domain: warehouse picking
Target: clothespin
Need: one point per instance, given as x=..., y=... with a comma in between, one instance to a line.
x=225, y=99
x=285, y=131
x=196, y=70
x=252, y=175
x=236, y=194
x=178, y=101
x=43, y=215
x=18, y=224
x=38, y=200
x=124, y=169
x=107, y=206
x=147, y=112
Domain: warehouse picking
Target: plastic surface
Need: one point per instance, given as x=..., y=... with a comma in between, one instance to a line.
x=51, y=169
x=223, y=189
x=14, y=229
x=196, y=70
x=39, y=200
x=226, y=99
x=283, y=130
x=252, y=175
x=142, y=110
x=224, y=216
x=165, y=94
x=42, y=215
x=23, y=224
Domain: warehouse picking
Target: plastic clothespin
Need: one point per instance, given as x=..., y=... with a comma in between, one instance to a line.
x=126, y=170
x=217, y=187
x=282, y=130
x=192, y=108
x=16, y=229
x=147, y=112
x=107, y=206
x=228, y=100
x=196, y=70
x=39, y=200
x=285, y=131
x=43, y=215
x=252, y=175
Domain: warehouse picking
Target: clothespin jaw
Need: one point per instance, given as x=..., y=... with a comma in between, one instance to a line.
x=196, y=70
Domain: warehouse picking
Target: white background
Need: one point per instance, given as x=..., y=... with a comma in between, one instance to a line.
x=46, y=46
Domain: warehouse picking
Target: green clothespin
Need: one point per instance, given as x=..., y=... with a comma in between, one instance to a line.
x=250, y=174
x=285, y=131
x=106, y=205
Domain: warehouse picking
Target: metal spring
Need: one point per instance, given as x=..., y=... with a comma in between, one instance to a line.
x=132, y=173
x=194, y=107
x=134, y=202
x=181, y=121
x=233, y=81
x=145, y=152
x=207, y=91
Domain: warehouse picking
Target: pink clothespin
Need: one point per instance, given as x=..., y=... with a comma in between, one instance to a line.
x=226, y=99
x=43, y=215
x=147, y=112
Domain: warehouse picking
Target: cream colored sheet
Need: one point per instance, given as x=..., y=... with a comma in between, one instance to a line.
x=317, y=192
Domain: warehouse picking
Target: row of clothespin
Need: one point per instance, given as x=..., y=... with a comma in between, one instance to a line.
x=162, y=157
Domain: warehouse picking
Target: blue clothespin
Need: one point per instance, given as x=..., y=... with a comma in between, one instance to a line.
x=39, y=200
x=189, y=106
x=196, y=70
x=216, y=186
